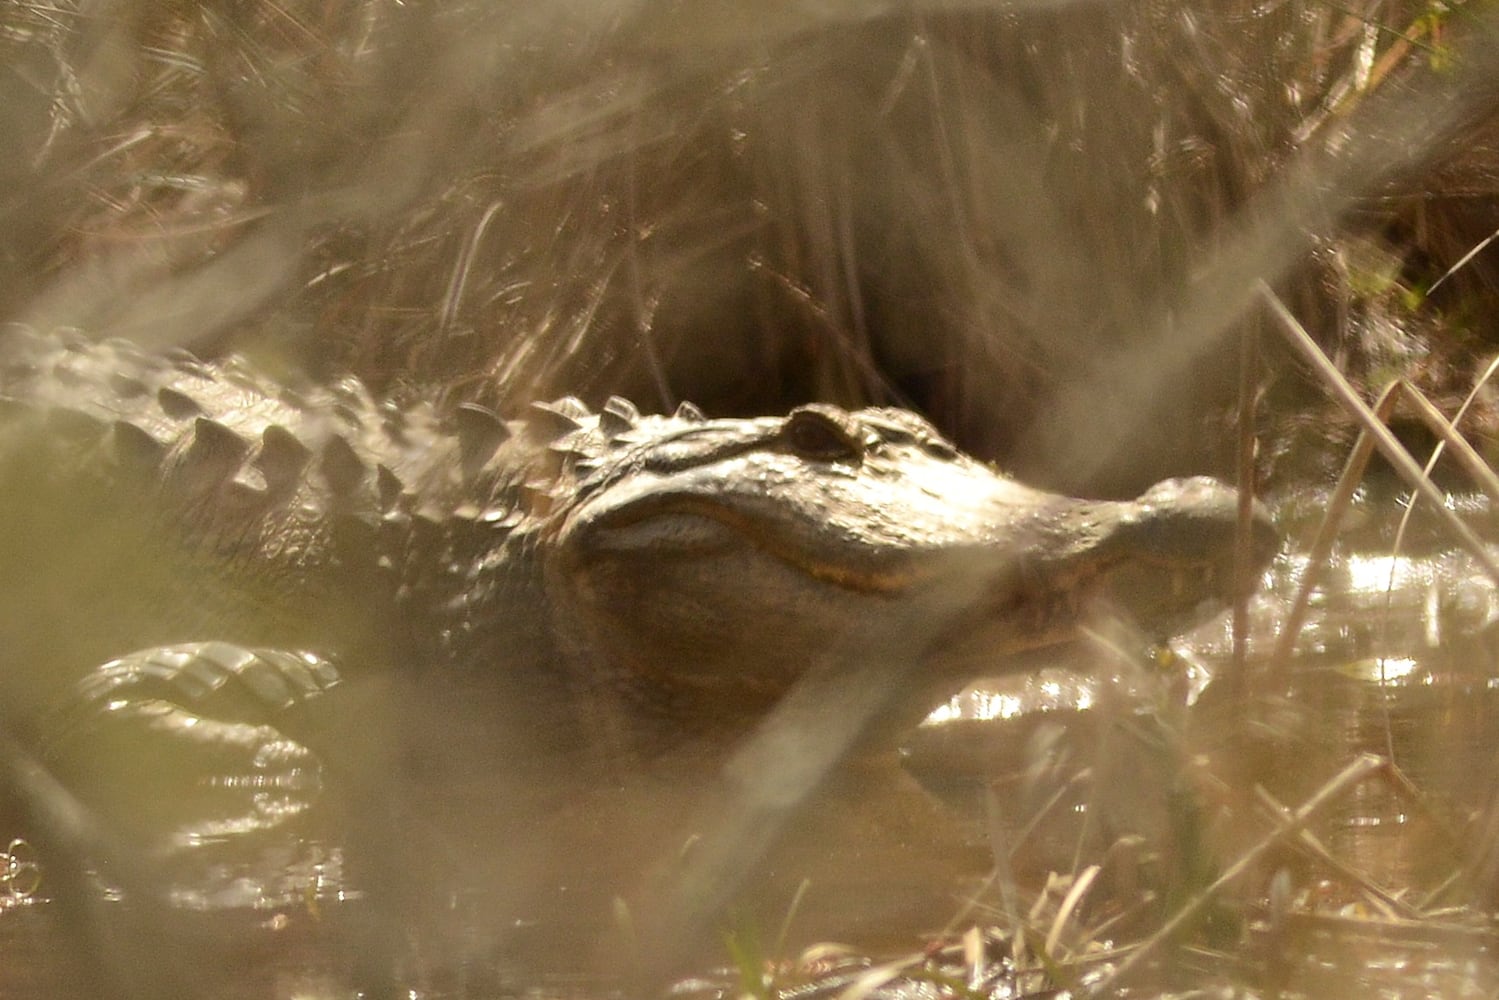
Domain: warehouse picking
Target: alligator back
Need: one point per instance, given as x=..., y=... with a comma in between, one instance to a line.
x=154, y=499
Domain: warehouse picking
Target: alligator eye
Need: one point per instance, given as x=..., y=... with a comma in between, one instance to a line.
x=941, y=448
x=813, y=433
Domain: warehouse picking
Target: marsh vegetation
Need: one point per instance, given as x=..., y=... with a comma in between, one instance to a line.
x=1080, y=237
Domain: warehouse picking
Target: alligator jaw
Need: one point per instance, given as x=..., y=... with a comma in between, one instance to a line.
x=1162, y=561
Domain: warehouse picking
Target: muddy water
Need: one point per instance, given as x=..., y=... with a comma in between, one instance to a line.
x=1133, y=759
x=1397, y=658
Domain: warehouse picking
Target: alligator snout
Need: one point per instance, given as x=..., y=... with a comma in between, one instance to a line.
x=1167, y=557
x=1192, y=521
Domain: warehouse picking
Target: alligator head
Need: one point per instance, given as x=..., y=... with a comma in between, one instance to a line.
x=713, y=562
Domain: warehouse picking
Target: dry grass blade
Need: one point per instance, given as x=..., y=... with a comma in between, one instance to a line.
x=1390, y=906
x=1350, y=776
x=1446, y=432
x=879, y=976
x=1327, y=534
x=1383, y=438
x=1353, y=471
x=1471, y=462
x=1080, y=887
x=1249, y=349
x=784, y=934
x=1463, y=261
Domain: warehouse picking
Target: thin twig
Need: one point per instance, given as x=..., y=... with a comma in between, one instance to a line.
x=1249, y=351
x=1463, y=260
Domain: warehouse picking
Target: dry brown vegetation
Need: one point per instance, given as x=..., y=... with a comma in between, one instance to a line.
x=1040, y=223
x=988, y=213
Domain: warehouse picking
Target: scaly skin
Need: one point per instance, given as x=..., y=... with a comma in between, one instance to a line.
x=574, y=593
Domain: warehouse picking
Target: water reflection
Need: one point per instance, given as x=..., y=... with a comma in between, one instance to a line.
x=1048, y=690
x=1368, y=606
x=1386, y=670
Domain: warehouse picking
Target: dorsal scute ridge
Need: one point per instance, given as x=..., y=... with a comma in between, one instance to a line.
x=572, y=406
x=214, y=442
x=621, y=409
x=131, y=446
x=580, y=443
x=342, y=467
x=549, y=421
x=308, y=451
x=177, y=404
x=388, y=488
x=282, y=457
x=614, y=424
x=480, y=431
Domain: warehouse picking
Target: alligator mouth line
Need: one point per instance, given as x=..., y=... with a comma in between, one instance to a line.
x=781, y=545
x=1045, y=600
x=1040, y=615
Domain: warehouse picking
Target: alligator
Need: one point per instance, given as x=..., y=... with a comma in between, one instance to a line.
x=202, y=561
